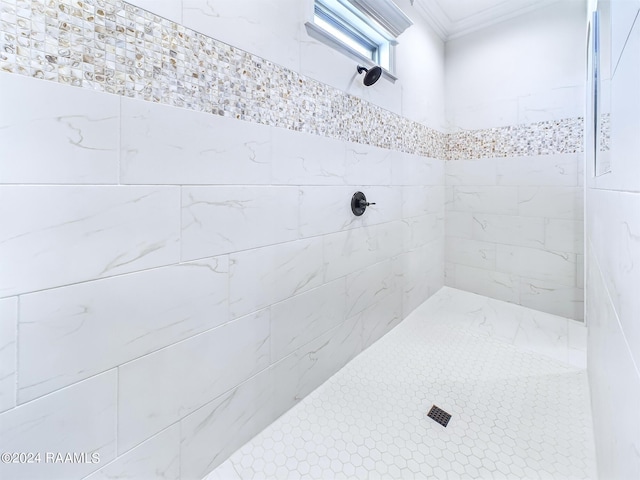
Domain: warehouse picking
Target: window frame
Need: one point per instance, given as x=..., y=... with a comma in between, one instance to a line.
x=356, y=21
x=346, y=30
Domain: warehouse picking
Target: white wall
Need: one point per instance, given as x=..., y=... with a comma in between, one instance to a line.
x=613, y=264
x=514, y=224
x=527, y=69
x=514, y=230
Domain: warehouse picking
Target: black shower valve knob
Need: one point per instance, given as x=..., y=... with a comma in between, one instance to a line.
x=359, y=203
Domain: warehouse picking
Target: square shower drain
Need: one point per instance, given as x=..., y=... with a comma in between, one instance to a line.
x=439, y=415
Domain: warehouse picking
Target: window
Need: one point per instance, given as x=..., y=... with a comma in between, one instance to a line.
x=365, y=30
x=347, y=33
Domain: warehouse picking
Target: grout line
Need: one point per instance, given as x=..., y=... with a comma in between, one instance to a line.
x=624, y=46
x=615, y=312
x=65, y=387
x=234, y=468
x=180, y=221
x=117, y=425
x=180, y=450
x=203, y=405
x=17, y=356
x=228, y=297
x=119, y=156
x=217, y=255
x=94, y=279
x=153, y=436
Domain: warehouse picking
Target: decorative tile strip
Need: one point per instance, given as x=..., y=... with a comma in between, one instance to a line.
x=605, y=132
x=541, y=138
x=112, y=46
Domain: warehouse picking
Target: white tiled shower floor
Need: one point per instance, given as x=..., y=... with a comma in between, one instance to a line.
x=513, y=379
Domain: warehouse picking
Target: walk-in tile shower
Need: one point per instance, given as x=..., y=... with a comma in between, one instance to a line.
x=190, y=284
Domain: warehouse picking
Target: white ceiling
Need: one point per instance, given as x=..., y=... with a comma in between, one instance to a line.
x=454, y=18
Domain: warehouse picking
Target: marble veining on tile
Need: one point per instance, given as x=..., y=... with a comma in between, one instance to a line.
x=511, y=377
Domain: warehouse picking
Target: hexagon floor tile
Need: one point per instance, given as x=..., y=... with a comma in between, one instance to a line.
x=513, y=379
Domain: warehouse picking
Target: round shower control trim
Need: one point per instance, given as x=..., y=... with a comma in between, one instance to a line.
x=359, y=203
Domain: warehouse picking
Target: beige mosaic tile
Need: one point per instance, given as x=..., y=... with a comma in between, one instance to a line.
x=605, y=132
x=540, y=138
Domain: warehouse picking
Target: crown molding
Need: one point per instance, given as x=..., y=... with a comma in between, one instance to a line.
x=436, y=14
x=386, y=13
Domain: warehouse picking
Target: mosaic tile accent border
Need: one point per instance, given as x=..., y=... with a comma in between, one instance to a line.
x=112, y=46
x=540, y=138
x=605, y=132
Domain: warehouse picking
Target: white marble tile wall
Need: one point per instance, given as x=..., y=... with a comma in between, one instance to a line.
x=160, y=455
x=60, y=235
x=424, y=273
x=8, y=360
x=420, y=200
x=205, y=150
x=514, y=229
x=308, y=159
x=424, y=228
x=73, y=146
x=300, y=373
x=159, y=389
x=514, y=213
x=614, y=381
x=494, y=284
x=272, y=27
x=218, y=220
x=613, y=263
x=323, y=209
x=410, y=169
x=360, y=166
x=260, y=277
x=205, y=440
x=369, y=286
x=71, y=333
x=299, y=319
x=379, y=317
x=355, y=249
x=544, y=50
x=156, y=286
x=79, y=419
x=483, y=199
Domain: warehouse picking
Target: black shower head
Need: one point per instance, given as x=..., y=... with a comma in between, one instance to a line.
x=372, y=75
